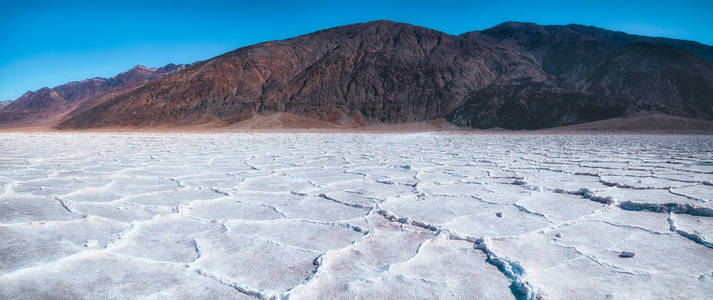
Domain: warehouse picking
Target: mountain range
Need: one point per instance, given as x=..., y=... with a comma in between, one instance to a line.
x=47, y=106
x=513, y=76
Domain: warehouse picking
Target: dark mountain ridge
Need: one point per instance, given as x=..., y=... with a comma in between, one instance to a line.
x=514, y=75
x=370, y=72
x=594, y=74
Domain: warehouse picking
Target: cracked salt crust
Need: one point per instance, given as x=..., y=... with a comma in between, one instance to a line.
x=349, y=216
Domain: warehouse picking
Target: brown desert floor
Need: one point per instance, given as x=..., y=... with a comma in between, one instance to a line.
x=290, y=123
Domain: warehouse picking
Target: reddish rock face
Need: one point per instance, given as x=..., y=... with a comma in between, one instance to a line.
x=49, y=105
x=358, y=74
x=515, y=75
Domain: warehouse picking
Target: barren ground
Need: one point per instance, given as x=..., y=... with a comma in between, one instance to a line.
x=355, y=215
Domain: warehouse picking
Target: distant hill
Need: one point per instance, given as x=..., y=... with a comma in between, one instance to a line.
x=48, y=105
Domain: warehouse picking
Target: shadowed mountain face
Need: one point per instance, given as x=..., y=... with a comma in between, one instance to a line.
x=48, y=105
x=593, y=74
x=515, y=75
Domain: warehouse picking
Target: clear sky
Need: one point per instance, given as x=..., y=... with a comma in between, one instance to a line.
x=48, y=43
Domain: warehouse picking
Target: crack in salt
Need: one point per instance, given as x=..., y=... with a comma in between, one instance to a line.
x=527, y=211
x=229, y=283
x=679, y=208
x=355, y=205
x=521, y=288
x=64, y=205
x=695, y=237
x=686, y=196
x=318, y=262
x=196, y=249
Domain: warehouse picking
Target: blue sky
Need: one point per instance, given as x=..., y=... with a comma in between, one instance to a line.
x=48, y=43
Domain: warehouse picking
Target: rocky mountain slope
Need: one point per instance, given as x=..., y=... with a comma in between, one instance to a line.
x=48, y=105
x=593, y=74
x=356, y=74
x=515, y=75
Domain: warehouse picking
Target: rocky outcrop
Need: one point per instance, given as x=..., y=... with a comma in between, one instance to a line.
x=47, y=105
x=515, y=75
